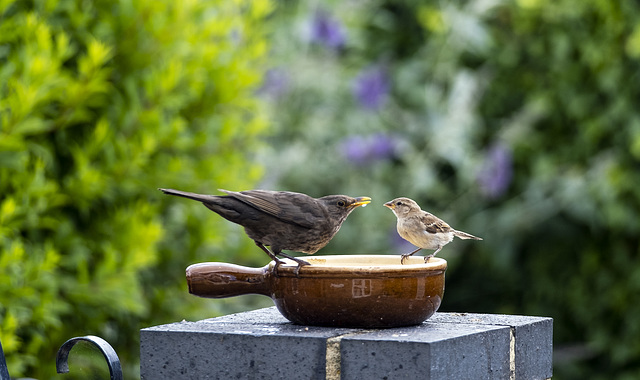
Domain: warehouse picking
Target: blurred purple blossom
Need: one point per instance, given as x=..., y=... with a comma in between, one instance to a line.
x=371, y=87
x=361, y=150
x=275, y=83
x=382, y=146
x=495, y=176
x=326, y=30
x=355, y=149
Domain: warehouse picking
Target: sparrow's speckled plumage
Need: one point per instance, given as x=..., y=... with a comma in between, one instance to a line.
x=422, y=229
x=281, y=219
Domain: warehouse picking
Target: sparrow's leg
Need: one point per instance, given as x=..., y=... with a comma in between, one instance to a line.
x=405, y=256
x=426, y=258
x=300, y=262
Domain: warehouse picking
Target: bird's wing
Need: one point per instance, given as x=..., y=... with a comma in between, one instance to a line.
x=290, y=207
x=433, y=224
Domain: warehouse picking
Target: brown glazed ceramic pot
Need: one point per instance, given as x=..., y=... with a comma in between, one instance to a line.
x=343, y=291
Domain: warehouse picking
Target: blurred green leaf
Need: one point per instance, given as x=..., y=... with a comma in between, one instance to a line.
x=555, y=82
x=101, y=103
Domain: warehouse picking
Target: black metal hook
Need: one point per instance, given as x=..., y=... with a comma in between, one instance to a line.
x=115, y=369
x=4, y=371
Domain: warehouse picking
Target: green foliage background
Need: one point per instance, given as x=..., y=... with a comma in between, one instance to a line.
x=101, y=103
x=556, y=83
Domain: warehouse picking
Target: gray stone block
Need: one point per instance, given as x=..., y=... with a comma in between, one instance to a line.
x=254, y=345
x=531, y=343
x=262, y=344
x=428, y=351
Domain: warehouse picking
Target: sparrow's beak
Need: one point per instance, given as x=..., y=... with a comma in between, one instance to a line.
x=361, y=201
x=390, y=204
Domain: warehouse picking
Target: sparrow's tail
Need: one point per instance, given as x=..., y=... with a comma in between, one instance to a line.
x=464, y=235
x=186, y=194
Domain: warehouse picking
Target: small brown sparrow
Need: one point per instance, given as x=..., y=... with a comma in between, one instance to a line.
x=421, y=228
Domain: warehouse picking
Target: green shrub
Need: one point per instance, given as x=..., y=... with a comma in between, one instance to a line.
x=513, y=120
x=101, y=103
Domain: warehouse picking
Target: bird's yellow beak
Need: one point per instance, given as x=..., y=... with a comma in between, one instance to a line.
x=390, y=205
x=361, y=201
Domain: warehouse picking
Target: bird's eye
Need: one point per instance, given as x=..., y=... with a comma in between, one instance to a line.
x=341, y=203
x=398, y=203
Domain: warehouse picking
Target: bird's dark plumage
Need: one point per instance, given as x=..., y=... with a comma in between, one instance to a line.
x=283, y=220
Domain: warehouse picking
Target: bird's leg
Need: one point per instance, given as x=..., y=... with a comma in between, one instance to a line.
x=300, y=262
x=426, y=258
x=405, y=256
x=271, y=255
x=274, y=257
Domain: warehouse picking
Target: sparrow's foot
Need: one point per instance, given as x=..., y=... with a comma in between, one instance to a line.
x=426, y=258
x=405, y=256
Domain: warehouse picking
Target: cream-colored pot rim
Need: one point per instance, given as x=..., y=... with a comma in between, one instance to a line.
x=361, y=265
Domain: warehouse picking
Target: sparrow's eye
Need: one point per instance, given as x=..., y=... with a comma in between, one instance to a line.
x=398, y=203
x=341, y=203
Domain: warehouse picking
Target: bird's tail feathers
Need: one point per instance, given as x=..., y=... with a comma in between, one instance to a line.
x=186, y=194
x=464, y=235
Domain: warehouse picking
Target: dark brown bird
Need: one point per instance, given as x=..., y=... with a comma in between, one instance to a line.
x=282, y=219
x=422, y=229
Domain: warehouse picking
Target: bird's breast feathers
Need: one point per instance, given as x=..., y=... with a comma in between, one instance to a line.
x=418, y=234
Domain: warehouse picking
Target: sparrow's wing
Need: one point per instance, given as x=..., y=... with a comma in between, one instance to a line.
x=433, y=224
x=290, y=207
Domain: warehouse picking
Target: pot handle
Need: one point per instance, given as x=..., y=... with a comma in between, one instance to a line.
x=222, y=280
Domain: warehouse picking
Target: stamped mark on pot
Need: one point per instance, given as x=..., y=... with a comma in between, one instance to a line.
x=361, y=288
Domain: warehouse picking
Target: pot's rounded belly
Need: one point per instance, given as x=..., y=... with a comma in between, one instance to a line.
x=359, y=302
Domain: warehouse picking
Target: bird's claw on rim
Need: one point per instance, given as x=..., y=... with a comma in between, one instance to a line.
x=403, y=258
x=426, y=258
x=301, y=263
x=275, y=267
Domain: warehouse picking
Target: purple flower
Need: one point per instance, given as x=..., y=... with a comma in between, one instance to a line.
x=327, y=31
x=495, y=176
x=362, y=150
x=371, y=87
x=276, y=83
x=382, y=146
x=356, y=150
